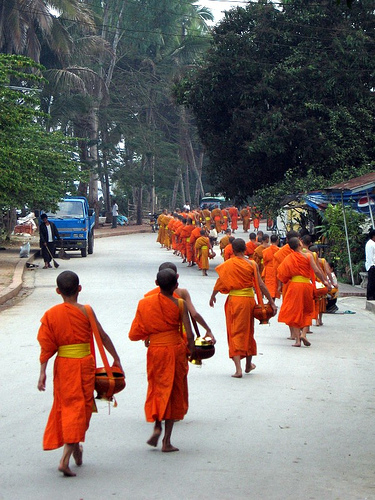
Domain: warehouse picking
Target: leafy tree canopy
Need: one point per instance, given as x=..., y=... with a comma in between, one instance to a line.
x=286, y=90
x=37, y=167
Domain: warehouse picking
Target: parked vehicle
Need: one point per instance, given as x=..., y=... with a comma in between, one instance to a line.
x=75, y=222
x=153, y=222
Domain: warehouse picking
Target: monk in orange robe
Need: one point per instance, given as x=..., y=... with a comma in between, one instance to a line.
x=251, y=246
x=196, y=233
x=245, y=215
x=298, y=269
x=228, y=250
x=226, y=219
x=185, y=235
x=159, y=318
x=217, y=218
x=236, y=278
x=269, y=276
x=258, y=253
x=183, y=293
x=233, y=214
x=225, y=240
x=160, y=222
x=206, y=217
x=203, y=249
x=65, y=329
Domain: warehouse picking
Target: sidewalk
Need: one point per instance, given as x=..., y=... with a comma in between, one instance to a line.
x=12, y=267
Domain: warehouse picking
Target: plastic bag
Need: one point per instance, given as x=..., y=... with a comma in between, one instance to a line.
x=25, y=250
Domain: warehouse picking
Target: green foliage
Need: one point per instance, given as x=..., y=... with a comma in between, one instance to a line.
x=285, y=92
x=36, y=167
x=332, y=233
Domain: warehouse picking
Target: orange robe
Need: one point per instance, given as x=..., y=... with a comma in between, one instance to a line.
x=250, y=248
x=278, y=259
x=196, y=233
x=228, y=252
x=223, y=243
x=185, y=234
x=202, y=246
x=73, y=378
x=297, y=309
x=233, y=213
x=258, y=257
x=158, y=318
x=160, y=238
x=225, y=219
x=269, y=277
x=237, y=274
x=245, y=216
x=207, y=217
x=217, y=218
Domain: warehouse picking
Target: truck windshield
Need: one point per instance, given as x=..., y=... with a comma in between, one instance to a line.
x=72, y=209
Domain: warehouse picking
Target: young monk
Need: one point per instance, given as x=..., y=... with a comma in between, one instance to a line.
x=159, y=318
x=298, y=270
x=269, y=278
x=236, y=278
x=66, y=330
x=203, y=250
x=185, y=295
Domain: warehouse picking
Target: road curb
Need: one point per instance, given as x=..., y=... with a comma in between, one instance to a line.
x=15, y=287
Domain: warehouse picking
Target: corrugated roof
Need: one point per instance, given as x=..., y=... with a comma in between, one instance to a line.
x=363, y=182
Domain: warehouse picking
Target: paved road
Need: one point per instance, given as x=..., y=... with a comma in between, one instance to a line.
x=301, y=426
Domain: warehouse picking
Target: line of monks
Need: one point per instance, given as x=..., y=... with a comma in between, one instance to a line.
x=187, y=234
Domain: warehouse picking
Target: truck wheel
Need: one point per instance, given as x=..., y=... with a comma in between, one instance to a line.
x=84, y=251
x=91, y=243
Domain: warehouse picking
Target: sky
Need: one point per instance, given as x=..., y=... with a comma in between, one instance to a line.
x=218, y=6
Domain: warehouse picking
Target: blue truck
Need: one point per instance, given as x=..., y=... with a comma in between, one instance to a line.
x=75, y=222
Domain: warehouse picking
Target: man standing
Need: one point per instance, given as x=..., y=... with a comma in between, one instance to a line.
x=370, y=265
x=114, y=214
x=48, y=234
x=236, y=278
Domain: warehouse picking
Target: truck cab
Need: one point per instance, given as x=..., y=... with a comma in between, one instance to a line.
x=75, y=222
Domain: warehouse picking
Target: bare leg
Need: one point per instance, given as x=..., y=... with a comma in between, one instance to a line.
x=167, y=447
x=237, y=362
x=303, y=336
x=249, y=365
x=77, y=453
x=64, y=462
x=296, y=335
x=153, y=441
x=291, y=336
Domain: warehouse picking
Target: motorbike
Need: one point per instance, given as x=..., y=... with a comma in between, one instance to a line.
x=153, y=222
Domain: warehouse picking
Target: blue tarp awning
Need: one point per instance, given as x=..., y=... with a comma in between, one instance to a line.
x=358, y=201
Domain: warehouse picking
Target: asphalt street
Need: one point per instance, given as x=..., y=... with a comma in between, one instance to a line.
x=301, y=426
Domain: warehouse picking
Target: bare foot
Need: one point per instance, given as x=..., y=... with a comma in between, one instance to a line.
x=77, y=455
x=305, y=342
x=296, y=345
x=169, y=448
x=66, y=471
x=153, y=441
x=237, y=375
x=248, y=369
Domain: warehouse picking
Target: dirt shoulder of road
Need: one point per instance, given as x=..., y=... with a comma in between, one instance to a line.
x=12, y=265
